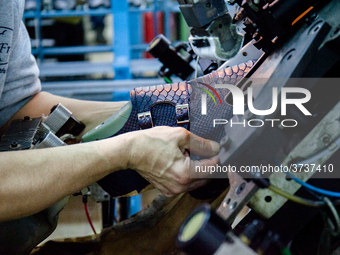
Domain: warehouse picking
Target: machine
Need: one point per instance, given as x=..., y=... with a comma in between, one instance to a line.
x=279, y=156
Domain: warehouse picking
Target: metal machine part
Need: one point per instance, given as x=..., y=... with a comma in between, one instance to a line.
x=265, y=203
x=173, y=61
x=98, y=194
x=199, y=13
x=217, y=34
x=30, y=133
x=249, y=51
x=177, y=59
x=301, y=39
x=219, y=40
x=21, y=134
x=213, y=35
x=51, y=140
x=202, y=232
x=205, y=232
x=248, y=145
x=61, y=121
x=239, y=195
x=266, y=21
x=58, y=117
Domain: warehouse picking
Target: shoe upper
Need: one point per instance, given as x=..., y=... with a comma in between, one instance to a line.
x=175, y=105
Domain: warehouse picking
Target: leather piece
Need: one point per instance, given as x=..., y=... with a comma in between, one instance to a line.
x=160, y=101
x=146, y=97
x=202, y=125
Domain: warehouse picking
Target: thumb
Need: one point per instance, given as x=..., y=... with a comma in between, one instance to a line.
x=202, y=147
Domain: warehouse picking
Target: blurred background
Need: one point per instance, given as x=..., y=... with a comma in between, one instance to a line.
x=95, y=49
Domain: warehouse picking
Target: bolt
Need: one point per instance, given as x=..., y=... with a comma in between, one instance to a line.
x=313, y=16
x=27, y=118
x=233, y=206
x=309, y=20
x=326, y=139
x=240, y=188
x=14, y=144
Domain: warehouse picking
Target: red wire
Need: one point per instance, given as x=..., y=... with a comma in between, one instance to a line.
x=115, y=220
x=89, y=218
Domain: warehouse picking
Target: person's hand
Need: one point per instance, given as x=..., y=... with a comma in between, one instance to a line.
x=161, y=156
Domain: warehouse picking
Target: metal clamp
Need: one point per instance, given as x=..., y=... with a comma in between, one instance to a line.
x=182, y=113
x=51, y=140
x=145, y=120
x=58, y=117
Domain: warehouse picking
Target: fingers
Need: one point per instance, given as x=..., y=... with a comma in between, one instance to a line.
x=186, y=177
x=197, y=183
x=199, y=146
x=167, y=164
x=165, y=191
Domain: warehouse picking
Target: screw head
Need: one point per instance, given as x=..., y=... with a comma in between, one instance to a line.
x=326, y=139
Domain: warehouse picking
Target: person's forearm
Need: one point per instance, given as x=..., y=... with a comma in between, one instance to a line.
x=32, y=180
x=91, y=113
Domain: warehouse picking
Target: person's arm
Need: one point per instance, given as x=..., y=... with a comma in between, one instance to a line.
x=32, y=180
x=91, y=113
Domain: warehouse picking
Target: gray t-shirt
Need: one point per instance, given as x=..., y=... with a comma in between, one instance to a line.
x=18, y=69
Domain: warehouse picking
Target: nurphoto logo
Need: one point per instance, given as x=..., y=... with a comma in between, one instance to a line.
x=239, y=105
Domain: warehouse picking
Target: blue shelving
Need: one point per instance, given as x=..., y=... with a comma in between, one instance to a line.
x=126, y=41
x=66, y=13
